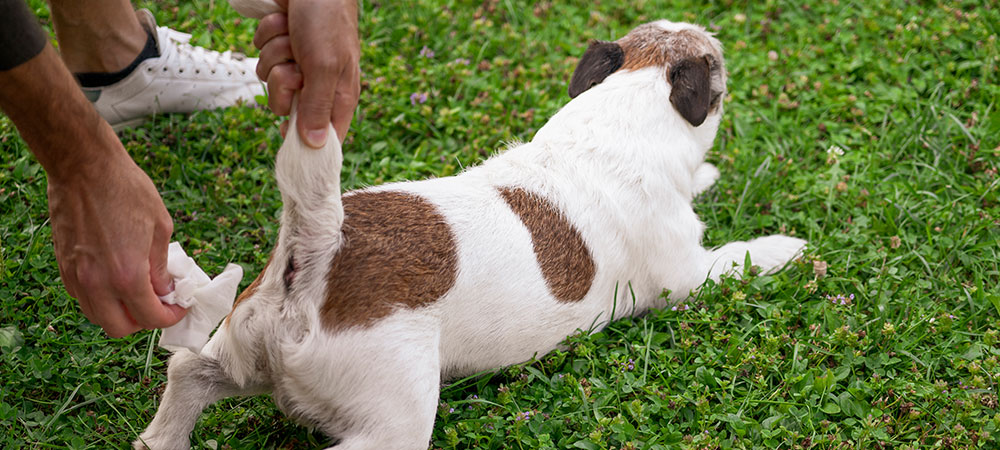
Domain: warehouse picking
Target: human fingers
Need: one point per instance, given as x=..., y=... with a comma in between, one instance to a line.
x=346, y=101
x=148, y=312
x=69, y=280
x=101, y=307
x=282, y=83
x=81, y=275
x=67, y=272
x=270, y=27
x=159, y=278
x=134, y=290
x=316, y=105
x=277, y=51
x=111, y=316
x=325, y=44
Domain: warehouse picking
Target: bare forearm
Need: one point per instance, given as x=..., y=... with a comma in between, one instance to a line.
x=54, y=118
x=109, y=227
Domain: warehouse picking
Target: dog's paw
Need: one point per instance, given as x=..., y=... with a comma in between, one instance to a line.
x=771, y=253
x=704, y=177
x=146, y=442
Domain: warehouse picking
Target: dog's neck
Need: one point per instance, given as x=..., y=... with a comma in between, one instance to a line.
x=612, y=118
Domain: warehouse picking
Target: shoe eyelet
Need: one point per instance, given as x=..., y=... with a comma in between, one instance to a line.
x=197, y=70
x=164, y=69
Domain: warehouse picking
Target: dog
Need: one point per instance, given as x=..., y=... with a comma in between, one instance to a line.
x=372, y=298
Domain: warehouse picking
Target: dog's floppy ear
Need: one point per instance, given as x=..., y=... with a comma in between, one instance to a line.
x=690, y=88
x=600, y=60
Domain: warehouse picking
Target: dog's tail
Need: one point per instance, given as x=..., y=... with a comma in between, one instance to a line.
x=309, y=180
x=309, y=237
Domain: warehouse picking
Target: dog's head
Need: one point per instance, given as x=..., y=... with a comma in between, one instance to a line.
x=689, y=57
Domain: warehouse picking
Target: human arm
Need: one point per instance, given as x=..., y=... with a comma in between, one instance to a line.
x=312, y=48
x=109, y=225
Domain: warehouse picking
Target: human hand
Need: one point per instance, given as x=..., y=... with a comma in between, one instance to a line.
x=111, y=231
x=109, y=226
x=313, y=47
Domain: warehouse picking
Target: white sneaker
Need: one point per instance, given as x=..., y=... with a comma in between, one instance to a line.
x=184, y=78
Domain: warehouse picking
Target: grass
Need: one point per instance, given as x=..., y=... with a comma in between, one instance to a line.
x=886, y=336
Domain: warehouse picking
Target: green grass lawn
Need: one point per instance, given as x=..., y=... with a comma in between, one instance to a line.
x=886, y=336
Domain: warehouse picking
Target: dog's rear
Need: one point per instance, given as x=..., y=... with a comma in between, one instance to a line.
x=371, y=393
x=268, y=312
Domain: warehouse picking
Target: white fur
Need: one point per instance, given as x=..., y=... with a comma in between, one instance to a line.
x=618, y=161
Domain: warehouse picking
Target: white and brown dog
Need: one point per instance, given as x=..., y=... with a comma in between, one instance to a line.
x=372, y=298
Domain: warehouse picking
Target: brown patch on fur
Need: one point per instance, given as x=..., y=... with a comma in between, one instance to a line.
x=397, y=251
x=651, y=46
x=251, y=289
x=564, y=258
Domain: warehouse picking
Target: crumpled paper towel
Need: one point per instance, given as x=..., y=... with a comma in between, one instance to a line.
x=206, y=300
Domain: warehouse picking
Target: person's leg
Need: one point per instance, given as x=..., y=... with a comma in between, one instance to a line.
x=131, y=69
x=97, y=35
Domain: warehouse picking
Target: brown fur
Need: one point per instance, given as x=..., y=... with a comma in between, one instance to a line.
x=562, y=255
x=651, y=46
x=398, y=251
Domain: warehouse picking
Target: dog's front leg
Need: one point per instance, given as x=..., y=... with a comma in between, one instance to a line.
x=193, y=382
x=770, y=253
x=704, y=177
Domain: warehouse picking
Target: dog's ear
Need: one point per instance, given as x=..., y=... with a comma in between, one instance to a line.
x=690, y=88
x=600, y=60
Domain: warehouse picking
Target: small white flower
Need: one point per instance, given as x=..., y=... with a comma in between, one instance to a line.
x=835, y=150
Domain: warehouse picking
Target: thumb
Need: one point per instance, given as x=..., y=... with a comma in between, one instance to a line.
x=315, y=104
x=161, y=280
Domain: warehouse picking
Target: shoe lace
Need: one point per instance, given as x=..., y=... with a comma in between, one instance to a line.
x=178, y=52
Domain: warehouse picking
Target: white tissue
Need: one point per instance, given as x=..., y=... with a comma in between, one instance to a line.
x=207, y=300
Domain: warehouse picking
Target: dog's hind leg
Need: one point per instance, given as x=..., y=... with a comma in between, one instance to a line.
x=370, y=388
x=193, y=382
x=392, y=410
